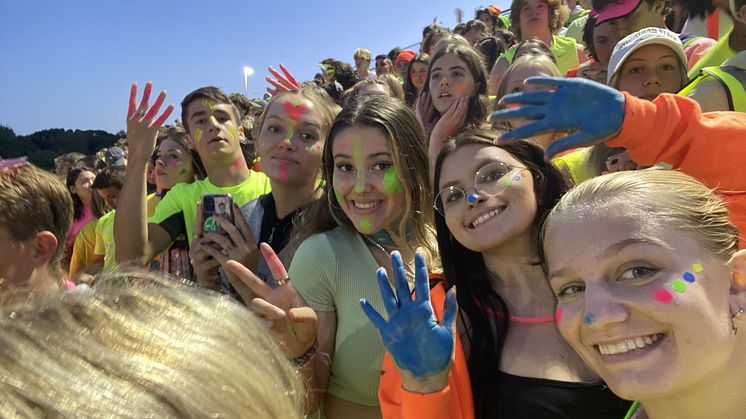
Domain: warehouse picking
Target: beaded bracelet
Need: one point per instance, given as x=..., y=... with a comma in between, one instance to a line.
x=303, y=360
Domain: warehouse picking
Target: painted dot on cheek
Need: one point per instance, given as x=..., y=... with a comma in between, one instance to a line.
x=697, y=268
x=283, y=172
x=662, y=295
x=365, y=226
x=689, y=277
x=678, y=285
x=589, y=319
x=197, y=135
x=391, y=182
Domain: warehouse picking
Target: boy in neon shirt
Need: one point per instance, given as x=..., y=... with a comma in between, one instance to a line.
x=213, y=129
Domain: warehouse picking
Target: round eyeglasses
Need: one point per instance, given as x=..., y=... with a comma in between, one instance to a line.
x=492, y=180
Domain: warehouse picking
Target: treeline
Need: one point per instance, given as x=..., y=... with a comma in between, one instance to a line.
x=43, y=146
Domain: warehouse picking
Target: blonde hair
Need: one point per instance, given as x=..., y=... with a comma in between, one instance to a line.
x=669, y=197
x=363, y=53
x=530, y=60
x=158, y=349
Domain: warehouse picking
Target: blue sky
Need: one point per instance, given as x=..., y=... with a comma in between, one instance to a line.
x=69, y=64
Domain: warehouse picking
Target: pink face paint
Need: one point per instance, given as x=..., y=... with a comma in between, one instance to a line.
x=697, y=268
x=294, y=110
x=273, y=262
x=589, y=319
x=558, y=314
x=662, y=295
x=283, y=172
x=238, y=164
x=459, y=88
x=689, y=277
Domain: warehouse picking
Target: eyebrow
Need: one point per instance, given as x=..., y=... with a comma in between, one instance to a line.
x=370, y=157
x=456, y=67
x=616, y=248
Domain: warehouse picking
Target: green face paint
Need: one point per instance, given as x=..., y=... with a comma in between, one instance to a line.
x=357, y=156
x=197, y=135
x=365, y=225
x=391, y=182
x=678, y=285
x=209, y=103
x=233, y=131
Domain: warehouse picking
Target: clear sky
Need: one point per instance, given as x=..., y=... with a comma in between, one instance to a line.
x=69, y=64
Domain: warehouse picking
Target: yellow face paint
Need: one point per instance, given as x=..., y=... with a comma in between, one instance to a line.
x=197, y=135
x=213, y=120
x=232, y=131
x=209, y=103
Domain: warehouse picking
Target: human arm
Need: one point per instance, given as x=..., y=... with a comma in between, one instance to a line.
x=135, y=239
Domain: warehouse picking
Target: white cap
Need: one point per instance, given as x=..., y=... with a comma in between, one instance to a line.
x=639, y=39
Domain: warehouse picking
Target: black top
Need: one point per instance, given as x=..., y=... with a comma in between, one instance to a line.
x=538, y=398
x=275, y=231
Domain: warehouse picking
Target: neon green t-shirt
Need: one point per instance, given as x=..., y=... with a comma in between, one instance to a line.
x=565, y=50
x=177, y=211
x=105, y=241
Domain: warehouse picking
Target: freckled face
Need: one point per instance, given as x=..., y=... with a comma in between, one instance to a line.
x=625, y=281
x=291, y=140
x=366, y=183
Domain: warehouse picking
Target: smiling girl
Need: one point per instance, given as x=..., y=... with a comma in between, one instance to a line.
x=509, y=360
x=652, y=291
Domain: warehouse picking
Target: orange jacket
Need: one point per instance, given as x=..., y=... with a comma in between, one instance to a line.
x=711, y=147
x=453, y=402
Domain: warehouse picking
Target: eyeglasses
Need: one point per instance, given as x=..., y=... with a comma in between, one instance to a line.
x=492, y=180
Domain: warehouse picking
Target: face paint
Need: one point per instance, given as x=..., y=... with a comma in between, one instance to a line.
x=213, y=120
x=472, y=198
x=365, y=225
x=558, y=314
x=459, y=88
x=238, y=164
x=589, y=319
x=689, y=277
x=678, y=285
x=313, y=148
x=357, y=156
x=182, y=171
x=197, y=135
x=283, y=172
x=233, y=131
x=209, y=103
x=697, y=268
x=662, y=295
x=273, y=262
x=391, y=182
x=294, y=109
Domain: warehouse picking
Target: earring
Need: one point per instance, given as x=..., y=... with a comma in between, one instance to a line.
x=733, y=319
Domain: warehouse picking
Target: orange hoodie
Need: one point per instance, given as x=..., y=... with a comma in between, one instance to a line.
x=711, y=147
x=453, y=402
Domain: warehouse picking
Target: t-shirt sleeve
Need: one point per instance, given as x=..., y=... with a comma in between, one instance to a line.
x=313, y=270
x=169, y=213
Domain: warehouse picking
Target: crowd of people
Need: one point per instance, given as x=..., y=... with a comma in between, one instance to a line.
x=535, y=215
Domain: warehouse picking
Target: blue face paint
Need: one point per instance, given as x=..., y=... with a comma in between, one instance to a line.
x=589, y=319
x=472, y=198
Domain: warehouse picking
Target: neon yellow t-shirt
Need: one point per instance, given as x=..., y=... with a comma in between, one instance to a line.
x=105, y=241
x=714, y=57
x=565, y=50
x=83, y=249
x=177, y=211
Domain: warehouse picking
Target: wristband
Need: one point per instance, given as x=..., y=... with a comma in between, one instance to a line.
x=303, y=360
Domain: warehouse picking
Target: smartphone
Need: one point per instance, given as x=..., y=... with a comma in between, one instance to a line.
x=216, y=204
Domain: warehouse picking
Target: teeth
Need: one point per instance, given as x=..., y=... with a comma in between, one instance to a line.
x=628, y=345
x=366, y=205
x=486, y=217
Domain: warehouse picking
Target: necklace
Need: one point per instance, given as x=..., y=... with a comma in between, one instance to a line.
x=410, y=275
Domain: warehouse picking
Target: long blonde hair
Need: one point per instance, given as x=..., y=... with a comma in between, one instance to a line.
x=150, y=350
x=670, y=197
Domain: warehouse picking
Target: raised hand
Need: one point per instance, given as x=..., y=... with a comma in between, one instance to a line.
x=293, y=322
x=421, y=347
x=284, y=82
x=447, y=126
x=591, y=111
x=142, y=128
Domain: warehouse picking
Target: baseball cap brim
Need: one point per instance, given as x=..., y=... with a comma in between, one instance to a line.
x=616, y=10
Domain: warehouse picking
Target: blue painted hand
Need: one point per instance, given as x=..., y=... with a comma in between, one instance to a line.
x=590, y=111
x=417, y=342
